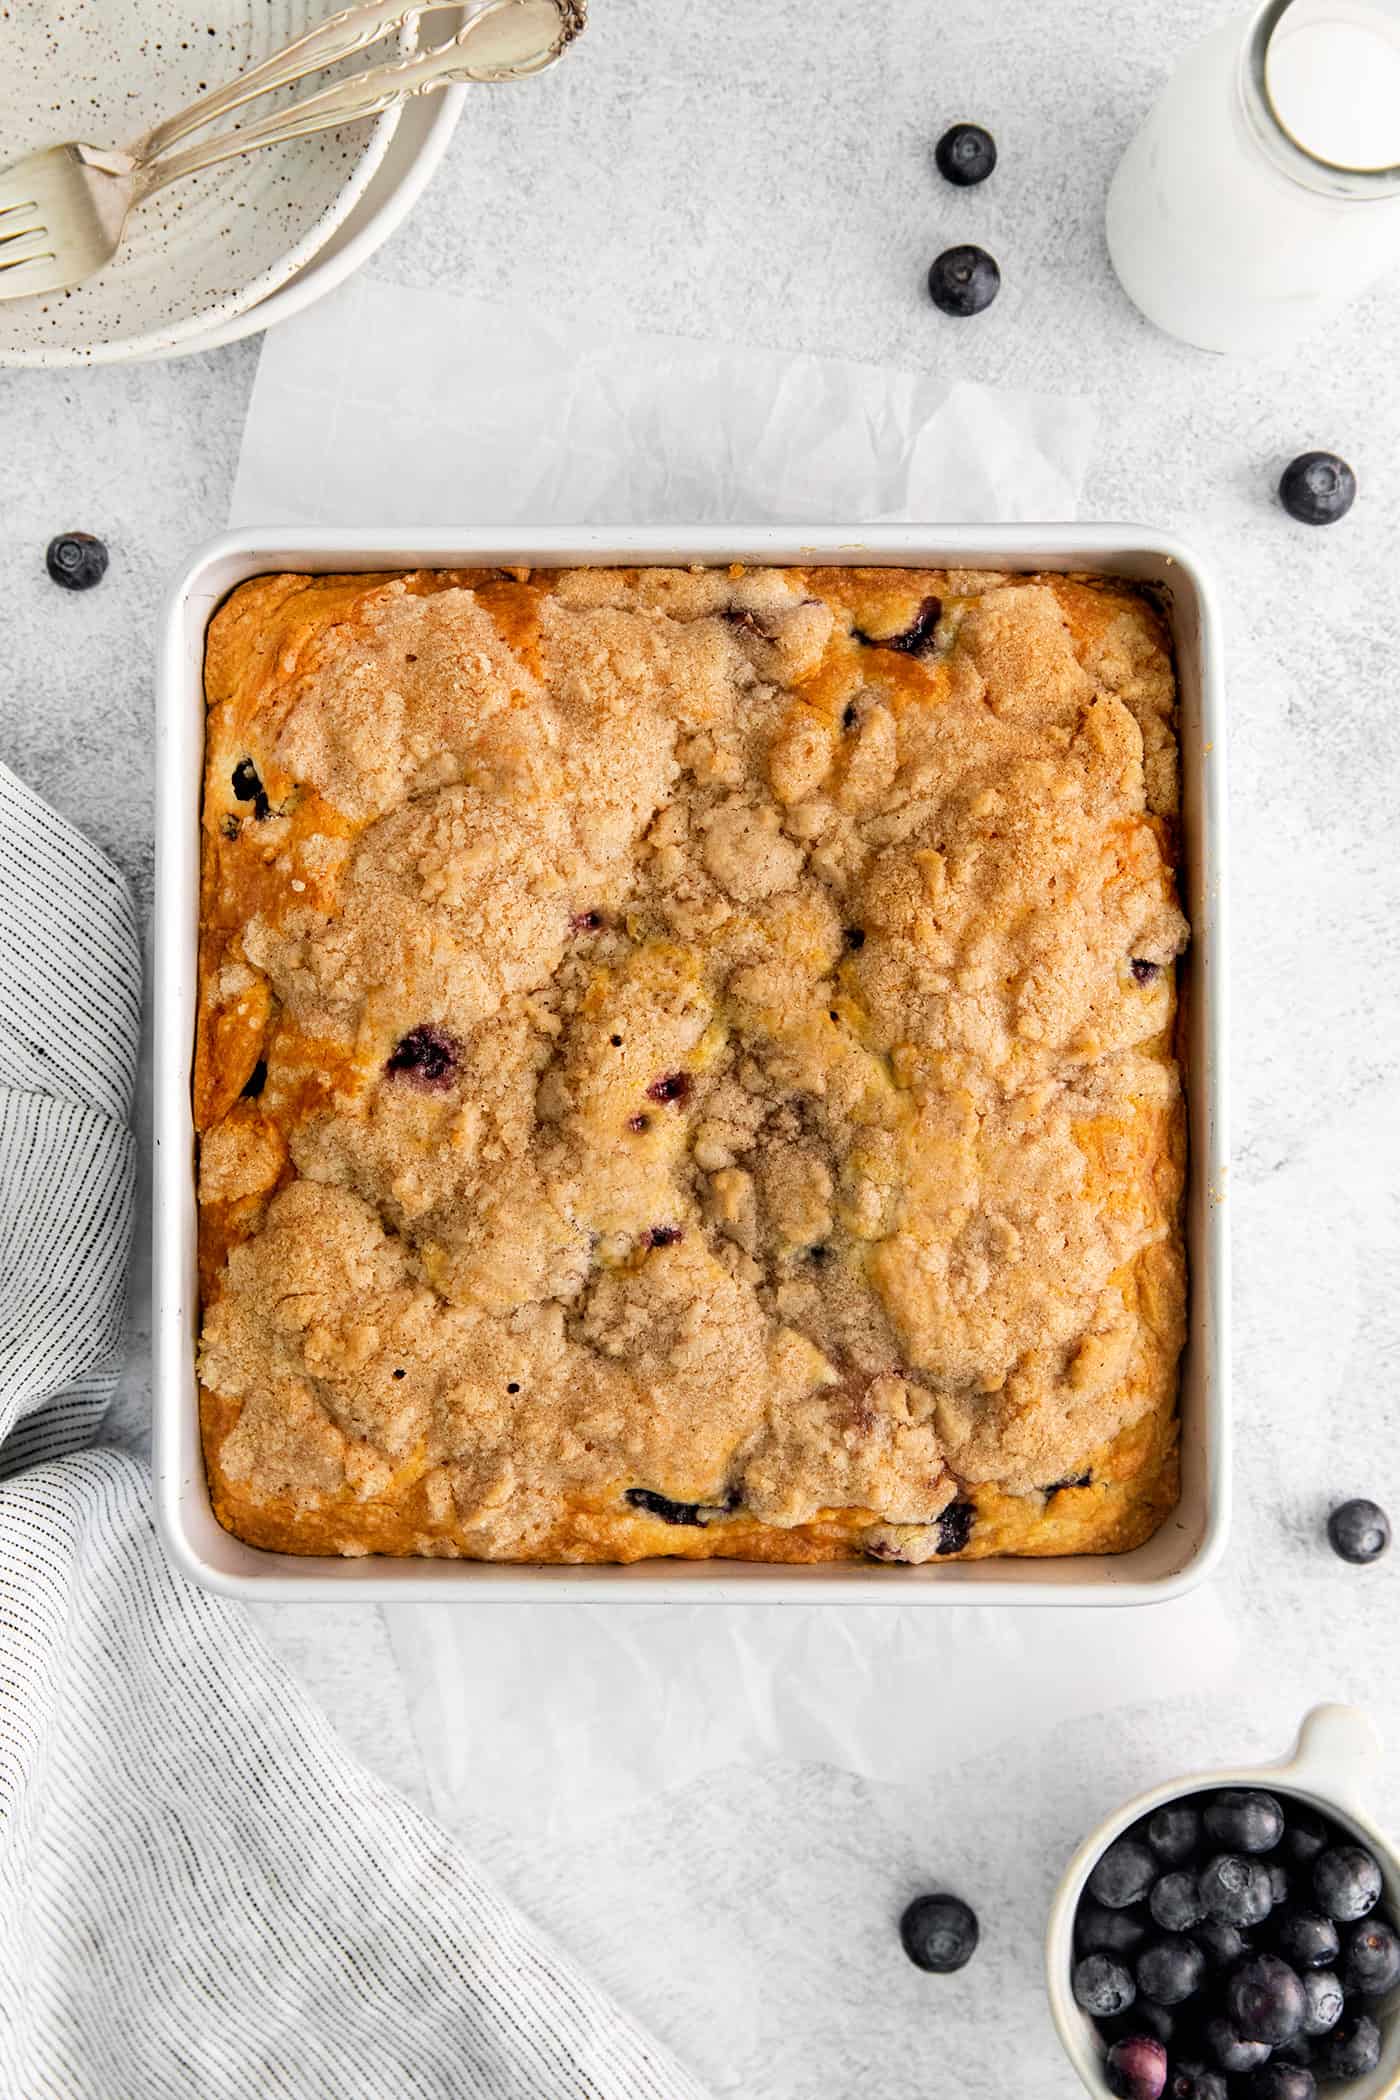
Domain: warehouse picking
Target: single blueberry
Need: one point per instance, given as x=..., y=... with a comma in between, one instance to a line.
x=1174, y=1832
x=76, y=560
x=1346, y=1882
x=1175, y=1902
x=672, y=1086
x=1323, y=2001
x=1148, y=2017
x=1242, y=1820
x=1170, y=1970
x=1231, y=2050
x=1236, y=1890
x=1352, y=2048
x=963, y=281
x=1317, y=488
x=1136, y=2068
x=662, y=1506
x=427, y=1057
x=940, y=1933
x=1222, y=1945
x=910, y=639
x=955, y=1526
x=1192, y=2081
x=1265, y=2000
x=1373, y=1959
x=1101, y=1986
x=1306, y=1939
x=1123, y=1875
x=1278, y=1883
x=1359, y=1531
x=1098, y=1930
x=1278, y=2081
x=248, y=787
x=1305, y=1835
x=965, y=155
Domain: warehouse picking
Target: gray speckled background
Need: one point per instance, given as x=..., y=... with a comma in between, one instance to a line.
x=758, y=169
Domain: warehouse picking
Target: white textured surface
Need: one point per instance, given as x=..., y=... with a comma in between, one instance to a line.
x=758, y=169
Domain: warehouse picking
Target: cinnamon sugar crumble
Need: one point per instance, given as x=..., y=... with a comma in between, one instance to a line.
x=711, y=1060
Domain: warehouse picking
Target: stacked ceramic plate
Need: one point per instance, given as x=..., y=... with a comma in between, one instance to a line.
x=227, y=252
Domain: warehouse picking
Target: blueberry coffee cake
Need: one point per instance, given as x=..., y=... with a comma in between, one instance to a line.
x=686, y=1065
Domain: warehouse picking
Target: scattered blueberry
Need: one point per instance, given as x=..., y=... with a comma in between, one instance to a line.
x=1352, y=2048
x=1170, y=1970
x=1306, y=1939
x=1192, y=2081
x=1123, y=1875
x=963, y=281
x=674, y=1086
x=426, y=1057
x=664, y=1236
x=586, y=922
x=1072, y=1480
x=854, y=937
x=1346, y=1882
x=1175, y=1902
x=1265, y=2000
x=1359, y=1531
x=940, y=1933
x=1143, y=971
x=1323, y=2001
x=1276, y=2081
x=76, y=560
x=1174, y=1832
x=1136, y=2068
x=1102, y=1986
x=955, y=1526
x=1098, y=1930
x=1237, y=1890
x=248, y=787
x=256, y=1080
x=1373, y=1960
x=1304, y=1836
x=965, y=155
x=910, y=639
x=1231, y=2050
x=1244, y=1821
x=1317, y=488
x=662, y=1506
x=1221, y=1944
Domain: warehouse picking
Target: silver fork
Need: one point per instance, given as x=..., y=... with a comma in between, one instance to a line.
x=64, y=209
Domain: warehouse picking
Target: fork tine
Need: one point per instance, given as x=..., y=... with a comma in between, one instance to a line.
x=33, y=245
x=21, y=232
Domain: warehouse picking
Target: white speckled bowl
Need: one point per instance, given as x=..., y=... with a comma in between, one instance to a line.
x=1331, y=1767
x=206, y=249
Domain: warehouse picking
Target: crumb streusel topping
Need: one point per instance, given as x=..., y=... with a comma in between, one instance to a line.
x=686, y=1064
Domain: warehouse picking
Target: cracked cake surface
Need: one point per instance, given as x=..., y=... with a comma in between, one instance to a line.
x=686, y=1065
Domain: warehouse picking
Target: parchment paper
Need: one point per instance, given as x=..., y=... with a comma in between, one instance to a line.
x=388, y=406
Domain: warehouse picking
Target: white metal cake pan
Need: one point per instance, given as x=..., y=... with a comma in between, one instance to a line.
x=1192, y=1540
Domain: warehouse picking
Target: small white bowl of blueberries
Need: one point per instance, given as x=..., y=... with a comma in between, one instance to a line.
x=1235, y=1937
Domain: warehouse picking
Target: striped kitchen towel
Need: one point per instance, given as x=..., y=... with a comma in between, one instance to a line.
x=201, y=1895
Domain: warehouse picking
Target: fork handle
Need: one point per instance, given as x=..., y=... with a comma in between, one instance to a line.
x=340, y=36
x=531, y=34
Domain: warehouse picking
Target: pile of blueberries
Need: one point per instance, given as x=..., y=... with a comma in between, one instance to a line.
x=1229, y=1947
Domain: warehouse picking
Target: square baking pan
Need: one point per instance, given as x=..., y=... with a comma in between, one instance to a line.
x=1191, y=1541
